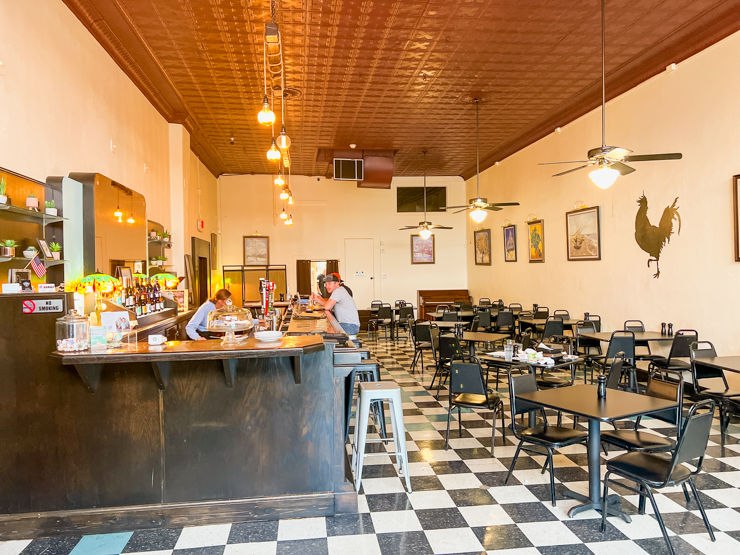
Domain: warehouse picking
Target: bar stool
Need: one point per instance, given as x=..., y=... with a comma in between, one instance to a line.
x=379, y=391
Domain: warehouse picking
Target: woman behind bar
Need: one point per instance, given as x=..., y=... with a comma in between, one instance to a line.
x=196, y=328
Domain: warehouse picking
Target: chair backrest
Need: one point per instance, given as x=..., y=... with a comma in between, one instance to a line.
x=406, y=313
x=449, y=317
x=670, y=390
x=515, y=308
x=698, y=351
x=526, y=340
x=484, y=319
x=434, y=342
x=615, y=371
x=484, y=301
x=475, y=323
x=466, y=306
x=400, y=303
x=443, y=308
x=623, y=341
x=595, y=318
x=458, y=303
x=634, y=326
x=553, y=326
x=421, y=330
x=564, y=314
x=376, y=304
x=385, y=312
x=499, y=304
x=693, y=439
x=584, y=326
x=505, y=319
x=525, y=314
x=542, y=312
x=525, y=383
x=467, y=377
x=449, y=348
x=681, y=346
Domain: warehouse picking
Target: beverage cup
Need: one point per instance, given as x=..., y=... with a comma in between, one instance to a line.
x=156, y=339
x=508, y=352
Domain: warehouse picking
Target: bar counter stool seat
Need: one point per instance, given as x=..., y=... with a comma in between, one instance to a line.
x=371, y=392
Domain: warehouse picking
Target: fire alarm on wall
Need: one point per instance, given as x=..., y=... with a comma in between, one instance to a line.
x=201, y=225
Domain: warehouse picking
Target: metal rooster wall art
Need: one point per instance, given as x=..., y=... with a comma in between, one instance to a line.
x=652, y=238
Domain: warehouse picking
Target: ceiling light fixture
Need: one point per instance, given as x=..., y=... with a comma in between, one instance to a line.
x=266, y=116
x=273, y=154
x=284, y=195
x=425, y=228
x=131, y=215
x=478, y=215
x=118, y=214
x=290, y=198
x=283, y=215
x=279, y=181
x=283, y=141
x=604, y=176
x=289, y=221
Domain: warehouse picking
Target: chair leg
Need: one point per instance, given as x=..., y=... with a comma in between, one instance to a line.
x=513, y=462
x=604, y=502
x=493, y=433
x=552, y=477
x=722, y=424
x=438, y=373
x=560, y=418
x=459, y=422
x=701, y=509
x=544, y=466
x=659, y=518
x=686, y=493
x=575, y=421
x=447, y=437
x=503, y=423
x=641, y=501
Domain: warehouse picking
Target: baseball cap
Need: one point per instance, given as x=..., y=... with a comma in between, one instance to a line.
x=333, y=277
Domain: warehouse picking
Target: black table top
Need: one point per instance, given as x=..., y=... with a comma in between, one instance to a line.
x=515, y=362
x=639, y=336
x=726, y=363
x=582, y=400
x=542, y=321
x=461, y=313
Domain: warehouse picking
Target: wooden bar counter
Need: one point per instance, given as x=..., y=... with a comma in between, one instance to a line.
x=190, y=433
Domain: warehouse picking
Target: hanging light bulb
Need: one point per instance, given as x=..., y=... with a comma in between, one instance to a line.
x=283, y=215
x=284, y=195
x=290, y=198
x=118, y=214
x=120, y=219
x=289, y=221
x=604, y=176
x=286, y=160
x=273, y=154
x=478, y=215
x=266, y=116
x=283, y=141
x=279, y=181
x=425, y=233
x=131, y=218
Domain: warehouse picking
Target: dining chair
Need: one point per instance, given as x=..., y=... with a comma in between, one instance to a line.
x=420, y=333
x=541, y=313
x=642, y=348
x=449, y=350
x=468, y=389
x=466, y=306
x=680, y=348
x=650, y=471
x=443, y=308
x=475, y=324
x=542, y=435
x=385, y=319
x=484, y=320
x=585, y=347
x=373, y=321
x=595, y=318
x=620, y=341
x=450, y=317
x=720, y=393
x=553, y=328
x=484, y=301
x=505, y=322
x=405, y=318
x=400, y=303
x=564, y=314
x=515, y=308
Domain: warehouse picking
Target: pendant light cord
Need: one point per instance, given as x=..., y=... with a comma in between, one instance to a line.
x=603, y=74
x=424, y=152
x=477, y=150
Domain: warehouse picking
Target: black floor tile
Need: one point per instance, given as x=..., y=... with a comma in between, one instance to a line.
x=542, y=492
x=508, y=536
x=404, y=543
x=474, y=453
x=657, y=546
x=425, y=483
x=52, y=546
x=379, y=471
x=303, y=547
x=570, y=473
x=450, y=467
x=471, y=497
x=439, y=519
x=343, y=525
x=684, y=523
x=495, y=479
x=431, y=444
x=388, y=502
x=590, y=530
x=528, y=512
x=574, y=549
x=522, y=463
x=212, y=550
x=156, y=540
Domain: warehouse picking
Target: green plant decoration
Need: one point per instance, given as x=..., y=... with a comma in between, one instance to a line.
x=55, y=247
x=2, y=186
x=10, y=244
x=31, y=195
x=50, y=204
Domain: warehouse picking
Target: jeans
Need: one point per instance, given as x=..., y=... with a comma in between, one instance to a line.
x=351, y=329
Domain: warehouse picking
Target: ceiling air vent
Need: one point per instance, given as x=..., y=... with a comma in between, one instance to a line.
x=346, y=169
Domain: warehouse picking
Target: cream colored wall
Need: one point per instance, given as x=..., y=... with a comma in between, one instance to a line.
x=200, y=201
x=63, y=100
x=327, y=211
x=693, y=110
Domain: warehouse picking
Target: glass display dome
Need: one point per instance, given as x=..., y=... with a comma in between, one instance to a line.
x=229, y=320
x=73, y=332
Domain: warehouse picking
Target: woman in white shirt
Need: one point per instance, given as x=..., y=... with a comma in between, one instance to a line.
x=196, y=328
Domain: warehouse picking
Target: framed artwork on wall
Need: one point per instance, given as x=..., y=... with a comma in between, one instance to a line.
x=510, y=243
x=736, y=211
x=482, y=241
x=422, y=250
x=256, y=250
x=583, y=229
x=536, y=240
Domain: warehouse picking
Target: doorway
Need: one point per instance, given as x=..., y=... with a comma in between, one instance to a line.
x=359, y=270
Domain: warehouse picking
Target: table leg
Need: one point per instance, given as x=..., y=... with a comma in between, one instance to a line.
x=471, y=347
x=594, y=499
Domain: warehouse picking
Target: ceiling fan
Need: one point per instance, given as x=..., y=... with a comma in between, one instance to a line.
x=425, y=228
x=610, y=159
x=479, y=205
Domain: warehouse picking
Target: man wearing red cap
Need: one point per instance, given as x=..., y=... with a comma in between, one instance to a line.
x=341, y=303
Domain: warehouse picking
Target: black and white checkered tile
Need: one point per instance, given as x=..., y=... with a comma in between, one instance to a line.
x=459, y=502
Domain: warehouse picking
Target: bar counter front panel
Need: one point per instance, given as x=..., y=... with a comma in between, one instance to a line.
x=136, y=454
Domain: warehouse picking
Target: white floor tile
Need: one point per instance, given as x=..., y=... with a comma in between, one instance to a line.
x=732, y=478
x=363, y=544
x=727, y=520
x=453, y=540
x=439, y=455
x=464, y=443
x=425, y=435
x=302, y=529
x=420, y=469
x=436, y=499
x=395, y=521
x=13, y=547
x=382, y=485
x=203, y=536
x=512, y=494
x=642, y=527
x=729, y=497
x=459, y=481
x=533, y=476
x=257, y=548
x=725, y=545
x=486, y=515
x=548, y=533
x=362, y=506
x=616, y=548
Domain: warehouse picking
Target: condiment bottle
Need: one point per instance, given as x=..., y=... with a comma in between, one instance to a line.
x=662, y=328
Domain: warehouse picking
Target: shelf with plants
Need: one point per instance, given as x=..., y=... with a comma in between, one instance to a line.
x=28, y=215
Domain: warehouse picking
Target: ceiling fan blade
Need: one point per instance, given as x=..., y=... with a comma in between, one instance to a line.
x=503, y=204
x=463, y=210
x=653, y=157
x=408, y=227
x=439, y=227
x=623, y=169
x=569, y=162
x=572, y=170
x=617, y=153
x=493, y=208
x=453, y=207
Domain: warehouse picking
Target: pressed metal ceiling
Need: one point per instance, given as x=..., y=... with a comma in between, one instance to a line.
x=393, y=74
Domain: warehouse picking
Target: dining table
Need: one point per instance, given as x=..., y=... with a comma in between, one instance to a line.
x=583, y=401
x=731, y=363
x=450, y=325
x=640, y=336
x=460, y=314
x=473, y=337
x=568, y=323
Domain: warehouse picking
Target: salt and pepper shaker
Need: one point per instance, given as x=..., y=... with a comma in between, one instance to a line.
x=662, y=328
x=601, y=387
x=586, y=316
x=670, y=329
x=534, y=307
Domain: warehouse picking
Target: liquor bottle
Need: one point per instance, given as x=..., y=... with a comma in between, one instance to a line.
x=137, y=305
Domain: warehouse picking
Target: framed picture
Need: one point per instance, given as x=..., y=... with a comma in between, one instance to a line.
x=422, y=250
x=536, y=240
x=256, y=250
x=584, y=234
x=44, y=248
x=482, y=241
x=510, y=243
x=735, y=207
x=124, y=272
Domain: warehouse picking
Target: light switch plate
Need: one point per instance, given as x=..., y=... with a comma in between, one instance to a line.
x=383, y=276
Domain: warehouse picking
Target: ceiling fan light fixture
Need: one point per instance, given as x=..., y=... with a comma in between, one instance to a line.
x=283, y=141
x=266, y=116
x=273, y=154
x=425, y=233
x=604, y=176
x=478, y=215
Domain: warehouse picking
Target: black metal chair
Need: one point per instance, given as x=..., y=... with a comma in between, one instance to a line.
x=642, y=348
x=421, y=335
x=448, y=349
x=475, y=324
x=595, y=318
x=450, y=317
x=564, y=314
x=405, y=318
x=541, y=312
x=649, y=471
x=468, y=390
x=484, y=301
x=443, y=308
x=719, y=392
x=466, y=306
x=542, y=435
x=505, y=322
x=553, y=328
x=585, y=347
x=515, y=308
x=385, y=319
x=624, y=342
x=680, y=348
x=484, y=320
x=373, y=321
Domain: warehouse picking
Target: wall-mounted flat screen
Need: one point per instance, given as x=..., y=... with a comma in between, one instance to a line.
x=411, y=199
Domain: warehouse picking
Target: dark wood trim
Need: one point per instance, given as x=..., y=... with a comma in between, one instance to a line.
x=736, y=216
x=175, y=515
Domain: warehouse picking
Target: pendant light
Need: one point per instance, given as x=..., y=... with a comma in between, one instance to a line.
x=283, y=215
x=273, y=154
x=478, y=214
x=284, y=195
x=118, y=214
x=131, y=215
x=283, y=141
x=266, y=116
x=289, y=221
x=279, y=181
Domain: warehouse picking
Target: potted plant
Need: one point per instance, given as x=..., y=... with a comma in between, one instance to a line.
x=162, y=260
x=7, y=248
x=3, y=196
x=32, y=202
x=166, y=235
x=30, y=252
x=51, y=208
x=56, y=250
x=153, y=234
x=155, y=261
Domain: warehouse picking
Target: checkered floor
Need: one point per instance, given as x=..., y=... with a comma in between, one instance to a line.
x=459, y=502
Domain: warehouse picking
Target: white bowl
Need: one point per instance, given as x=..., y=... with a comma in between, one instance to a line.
x=268, y=335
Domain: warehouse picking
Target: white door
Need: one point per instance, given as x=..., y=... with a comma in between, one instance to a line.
x=358, y=270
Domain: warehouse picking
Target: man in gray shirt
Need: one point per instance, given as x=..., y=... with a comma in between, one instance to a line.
x=340, y=303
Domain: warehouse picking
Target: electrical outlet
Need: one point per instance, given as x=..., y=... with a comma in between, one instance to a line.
x=383, y=276
x=382, y=251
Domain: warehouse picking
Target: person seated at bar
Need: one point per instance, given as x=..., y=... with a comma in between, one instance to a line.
x=341, y=303
x=196, y=328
